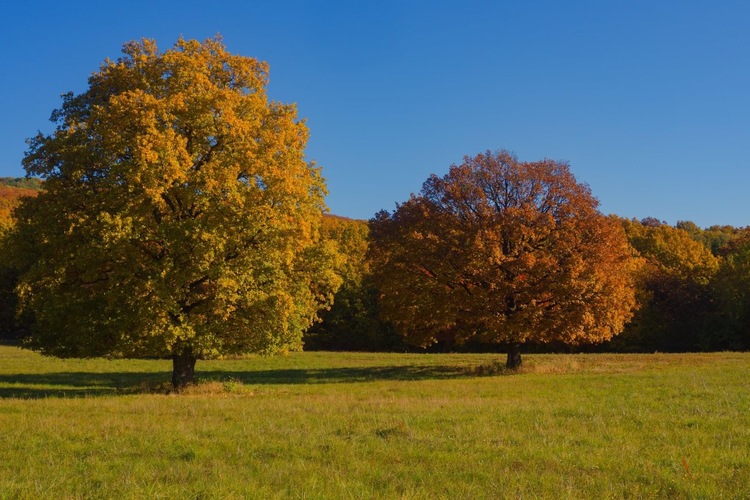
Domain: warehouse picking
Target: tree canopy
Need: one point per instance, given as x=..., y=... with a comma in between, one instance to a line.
x=352, y=323
x=179, y=217
x=503, y=251
x=690, y=288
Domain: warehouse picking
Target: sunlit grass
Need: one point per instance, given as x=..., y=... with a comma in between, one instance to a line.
x=342, y=425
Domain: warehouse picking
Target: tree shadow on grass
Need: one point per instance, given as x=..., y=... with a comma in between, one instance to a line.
x=337, y=375
x=76, y=384
x=89, y=384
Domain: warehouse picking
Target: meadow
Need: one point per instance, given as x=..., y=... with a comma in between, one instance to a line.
x=346, y=425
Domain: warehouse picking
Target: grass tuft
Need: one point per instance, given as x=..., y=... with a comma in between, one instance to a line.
x=487, y=369
x=493, y=368
x=147, y=387
x=396, y=431
x=211, y=387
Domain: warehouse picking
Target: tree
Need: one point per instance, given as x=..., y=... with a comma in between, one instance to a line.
x=715, y=238
x=674, y=290
x=731, y=290
x=12, y=190
x=7, y=296
x=503, y=251
x=179, y=217
x=352, y=323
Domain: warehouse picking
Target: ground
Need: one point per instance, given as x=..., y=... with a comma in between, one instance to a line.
x=339, y=425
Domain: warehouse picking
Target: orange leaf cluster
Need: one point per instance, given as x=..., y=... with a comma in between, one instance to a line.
x=503, y=251
x=10, y=197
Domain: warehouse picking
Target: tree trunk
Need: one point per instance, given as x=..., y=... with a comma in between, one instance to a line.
x=183, y=369
x=514, y=357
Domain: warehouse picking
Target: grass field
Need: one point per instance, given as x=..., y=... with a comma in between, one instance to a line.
x=342, y=425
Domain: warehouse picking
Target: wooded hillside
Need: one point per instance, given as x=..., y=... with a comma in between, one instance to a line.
x=11, y=190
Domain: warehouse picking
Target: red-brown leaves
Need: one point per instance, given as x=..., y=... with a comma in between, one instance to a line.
x=503, y=251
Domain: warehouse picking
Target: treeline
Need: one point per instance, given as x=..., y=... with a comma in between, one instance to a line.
x=12, y=189
x=22, y=182
x=693, y=290
x=693, y=294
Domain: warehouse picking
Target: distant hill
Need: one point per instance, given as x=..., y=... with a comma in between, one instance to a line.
x=21, y=182
x=342, y=218
x=12, y=189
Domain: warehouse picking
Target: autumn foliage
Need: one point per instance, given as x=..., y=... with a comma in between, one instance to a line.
x=12, y=191
x=180, y=218
x=692, y=288
x=503, y=251
x=10, y=197
x=353, y=322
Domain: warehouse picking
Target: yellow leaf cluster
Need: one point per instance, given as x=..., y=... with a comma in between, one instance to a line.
x=180, y=214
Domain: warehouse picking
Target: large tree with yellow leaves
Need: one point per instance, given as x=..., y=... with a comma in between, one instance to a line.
x=180, y=218
x=506, y=252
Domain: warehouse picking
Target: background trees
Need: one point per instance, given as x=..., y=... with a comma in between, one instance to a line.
x=730, y=324
x=179, y=218
x=12, y=190
x=9, y=326
x=353, y=322
x=505, y=252
x=674, y=288
x=692, y=289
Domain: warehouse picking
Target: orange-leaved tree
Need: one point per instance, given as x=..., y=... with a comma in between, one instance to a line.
x=503, y=251
x=180, y=218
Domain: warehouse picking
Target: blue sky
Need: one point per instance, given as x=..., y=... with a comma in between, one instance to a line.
x=649, y=101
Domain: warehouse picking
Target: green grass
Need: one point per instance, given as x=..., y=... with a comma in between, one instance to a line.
x=342, y=425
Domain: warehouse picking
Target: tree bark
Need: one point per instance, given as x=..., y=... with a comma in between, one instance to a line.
x=183, y=369
x=514, y=357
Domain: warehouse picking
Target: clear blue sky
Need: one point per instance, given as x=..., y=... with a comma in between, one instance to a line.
x=649, y=101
